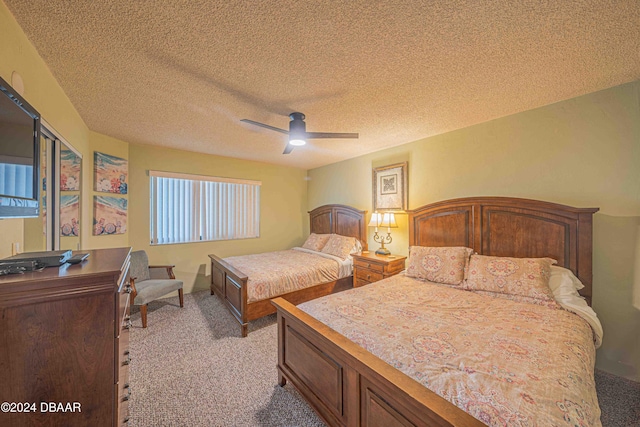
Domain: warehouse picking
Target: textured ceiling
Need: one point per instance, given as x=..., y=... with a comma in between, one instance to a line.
x=183, y=73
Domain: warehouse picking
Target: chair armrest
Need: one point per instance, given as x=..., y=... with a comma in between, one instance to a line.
x=169, y=269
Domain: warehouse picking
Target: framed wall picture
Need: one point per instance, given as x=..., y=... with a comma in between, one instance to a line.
x=70, y=165
x=69, y=215
x=109, y=215
x=111, y=173
x=390, y=188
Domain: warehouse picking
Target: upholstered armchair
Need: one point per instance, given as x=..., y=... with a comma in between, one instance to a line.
x=145, y=289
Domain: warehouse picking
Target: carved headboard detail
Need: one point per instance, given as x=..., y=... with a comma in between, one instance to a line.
x=339, y=219
x=505, y=226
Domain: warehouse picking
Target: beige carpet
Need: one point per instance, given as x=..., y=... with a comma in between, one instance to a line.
x=191, y=368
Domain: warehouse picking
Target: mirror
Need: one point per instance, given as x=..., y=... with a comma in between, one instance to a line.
x=58, y=226
x=69, y=200
x=36, y=232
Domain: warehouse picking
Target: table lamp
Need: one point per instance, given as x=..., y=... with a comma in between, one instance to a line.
x=387, y=219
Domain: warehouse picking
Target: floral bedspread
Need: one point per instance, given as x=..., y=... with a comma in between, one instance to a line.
x=275, y=273
x=506, y=363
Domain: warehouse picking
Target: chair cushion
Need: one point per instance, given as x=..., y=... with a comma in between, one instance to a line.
x=139, y=266
x=150, y=290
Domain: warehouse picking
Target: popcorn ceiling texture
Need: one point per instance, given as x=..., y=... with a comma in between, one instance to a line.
x=183, y=73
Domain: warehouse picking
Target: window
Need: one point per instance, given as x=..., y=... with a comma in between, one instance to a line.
x=191, y=208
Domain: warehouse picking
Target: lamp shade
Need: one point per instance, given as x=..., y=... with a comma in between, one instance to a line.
x=376, y=219
x=389, y=220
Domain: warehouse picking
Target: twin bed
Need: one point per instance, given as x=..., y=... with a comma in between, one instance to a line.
x=247, y=284
x=405, y=351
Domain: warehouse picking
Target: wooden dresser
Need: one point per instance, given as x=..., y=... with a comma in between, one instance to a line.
x=64, y=343
x=369, y=267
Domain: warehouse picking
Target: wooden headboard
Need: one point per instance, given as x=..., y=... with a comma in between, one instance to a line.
x=340, y=219
x=505, y=226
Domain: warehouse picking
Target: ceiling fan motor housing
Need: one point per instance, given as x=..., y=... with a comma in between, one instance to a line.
x=297, y=126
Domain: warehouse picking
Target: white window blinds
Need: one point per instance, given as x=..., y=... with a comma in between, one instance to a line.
x=16, y=180
x=190, y=208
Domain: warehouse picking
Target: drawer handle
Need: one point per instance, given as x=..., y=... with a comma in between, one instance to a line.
x=368, y=265
x=368, y=276
x=127, y=360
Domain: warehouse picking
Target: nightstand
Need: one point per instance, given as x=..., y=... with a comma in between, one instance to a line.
x=370, y=267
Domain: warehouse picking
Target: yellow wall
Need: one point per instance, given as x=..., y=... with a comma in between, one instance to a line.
x=283, y=213
x=11, y=232
x=43, y=92
x=582, y=152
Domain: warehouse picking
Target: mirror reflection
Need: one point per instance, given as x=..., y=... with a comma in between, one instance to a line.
x=36, y=232
x=58, y=226
x=69, y=200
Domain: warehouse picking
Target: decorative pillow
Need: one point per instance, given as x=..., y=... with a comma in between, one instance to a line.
x=339, y=246
x=440, y=265
x=316, y=242
x=527, y=277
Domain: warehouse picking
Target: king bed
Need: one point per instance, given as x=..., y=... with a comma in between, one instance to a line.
x=246, y=284
x=408, y=351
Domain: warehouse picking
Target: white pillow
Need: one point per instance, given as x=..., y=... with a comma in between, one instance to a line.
x=357, y=248
x=565, y=285
x=562, y=281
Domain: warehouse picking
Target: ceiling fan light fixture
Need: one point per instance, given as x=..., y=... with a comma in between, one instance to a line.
x=297, y=141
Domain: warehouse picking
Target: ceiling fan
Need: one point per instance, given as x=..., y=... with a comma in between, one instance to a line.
x=297, y=132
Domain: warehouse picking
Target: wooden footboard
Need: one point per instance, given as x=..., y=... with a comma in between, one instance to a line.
x=347, y=385
x=230, y=285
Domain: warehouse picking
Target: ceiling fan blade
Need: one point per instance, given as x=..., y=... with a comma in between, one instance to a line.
x=288, y=149
x=331, y=135
x=262, y=125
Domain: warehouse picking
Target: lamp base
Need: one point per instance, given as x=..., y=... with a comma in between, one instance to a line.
x=383, y=251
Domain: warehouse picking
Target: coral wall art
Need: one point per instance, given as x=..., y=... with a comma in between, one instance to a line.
x=109, y=215
x=70, y=164
x=111, y=174
x=69, y=215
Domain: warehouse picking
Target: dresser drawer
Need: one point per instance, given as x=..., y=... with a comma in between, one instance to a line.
x=123, y=388
x=123, y=310
x=368, y=275
x=123, y=420
x=123, y=356
x=361, y=282
x=123, y=406
x=369, y=265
